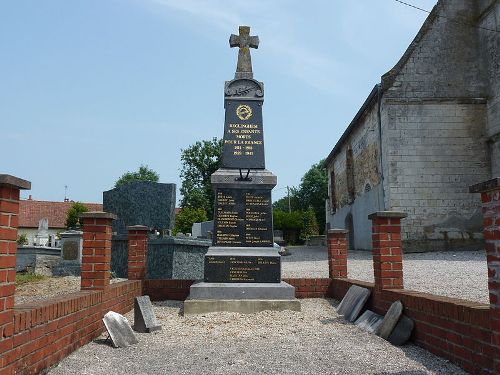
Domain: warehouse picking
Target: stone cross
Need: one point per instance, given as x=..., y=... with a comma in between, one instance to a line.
x=244, y=41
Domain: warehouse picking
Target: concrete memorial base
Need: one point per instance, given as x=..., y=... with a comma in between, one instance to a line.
x=240, y=297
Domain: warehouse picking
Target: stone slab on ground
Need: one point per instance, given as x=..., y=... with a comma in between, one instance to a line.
x=276, y=291
x=369, y=321
x=311, y=341
x=402, y=332
x=353, y=302
x=144, y=316
x=390, y=320
x=119, y=330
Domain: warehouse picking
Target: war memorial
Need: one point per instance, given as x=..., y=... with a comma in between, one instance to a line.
x=242, y=270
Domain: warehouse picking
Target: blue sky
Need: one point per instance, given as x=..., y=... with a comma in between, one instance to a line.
x=92, y=89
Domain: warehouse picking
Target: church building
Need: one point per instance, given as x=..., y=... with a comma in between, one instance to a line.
x=426, y=132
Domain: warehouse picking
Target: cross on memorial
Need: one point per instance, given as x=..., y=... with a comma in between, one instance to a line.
x=244, y=41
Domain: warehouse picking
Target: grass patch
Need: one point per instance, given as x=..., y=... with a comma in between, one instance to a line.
x=28, y=277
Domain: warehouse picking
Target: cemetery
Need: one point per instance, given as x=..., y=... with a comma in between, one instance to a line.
x=150, y=302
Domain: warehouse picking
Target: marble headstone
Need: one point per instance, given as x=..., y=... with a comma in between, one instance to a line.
x=369, y=321
x=119, y=330
x=42, y=237
x=390, y=320
x=144, y=316
x=353, y=302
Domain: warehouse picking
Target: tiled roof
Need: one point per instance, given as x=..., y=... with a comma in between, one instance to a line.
x=31, y=211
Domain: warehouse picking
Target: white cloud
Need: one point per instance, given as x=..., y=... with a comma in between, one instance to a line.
x=272, y=19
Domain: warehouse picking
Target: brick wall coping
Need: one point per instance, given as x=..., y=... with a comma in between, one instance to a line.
x=137, y=227
x=337, y=231
x=7, y=179
x=485, y=186
x=388, y=214
x=97, y=215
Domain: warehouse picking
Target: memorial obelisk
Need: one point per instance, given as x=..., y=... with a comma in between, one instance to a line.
x=242, y=268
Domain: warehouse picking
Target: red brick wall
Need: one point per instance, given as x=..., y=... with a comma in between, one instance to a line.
x=455, y=329
x=47, y=331
x=9, y=210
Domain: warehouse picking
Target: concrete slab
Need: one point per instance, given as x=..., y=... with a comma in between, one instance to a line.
x=226, y=291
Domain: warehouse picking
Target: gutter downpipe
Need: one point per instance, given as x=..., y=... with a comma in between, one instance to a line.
x=381, y=164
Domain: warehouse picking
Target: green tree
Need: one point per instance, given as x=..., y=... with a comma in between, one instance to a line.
x=22, y=239
x=187, y=217
x=311, y=194
x=199, y=161
x=310, y=225
x=313, y=191
x=143, y=174
x=74, y=211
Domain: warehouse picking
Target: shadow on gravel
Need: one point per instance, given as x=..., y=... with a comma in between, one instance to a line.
x=400, y=373
x=106, y=342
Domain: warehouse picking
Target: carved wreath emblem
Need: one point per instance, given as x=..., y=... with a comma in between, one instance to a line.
x=244, y=112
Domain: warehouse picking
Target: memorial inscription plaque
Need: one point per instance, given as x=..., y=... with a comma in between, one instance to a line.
x=243, y=135
x=243, y=218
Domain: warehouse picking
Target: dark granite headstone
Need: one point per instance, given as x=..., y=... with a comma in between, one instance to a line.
x=390, y=320
x=70, y=250
x=119, y=330
x=144, y=316
x=353, y=302
x=402, y=332
x=141, y=203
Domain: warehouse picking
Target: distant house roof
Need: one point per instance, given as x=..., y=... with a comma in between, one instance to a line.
x=31, y=211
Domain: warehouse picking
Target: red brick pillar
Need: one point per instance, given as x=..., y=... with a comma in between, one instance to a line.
x=387, y=250
x=490, y=199
x=337, y=253
x=9, y=211
x=137, y=251
x=96, y=255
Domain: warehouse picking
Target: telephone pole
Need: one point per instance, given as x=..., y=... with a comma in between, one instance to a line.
x=288, y=191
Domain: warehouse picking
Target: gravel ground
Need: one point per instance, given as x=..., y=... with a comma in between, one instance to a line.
x=460, y=274
x=457, y=274
x=313, y=341
x=50, y=287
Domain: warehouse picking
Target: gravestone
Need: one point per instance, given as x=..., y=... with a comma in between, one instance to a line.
x=144, y=316
x=71, y=254
x=42, y=237
x=390, y=320
x=353, y=302
x=141, y=203
x=369, y=321
x=242, y=261
x=402, y=332
x=119, y=330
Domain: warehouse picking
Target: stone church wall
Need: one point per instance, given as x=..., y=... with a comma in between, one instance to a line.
x=366, y=190
x=433, y=152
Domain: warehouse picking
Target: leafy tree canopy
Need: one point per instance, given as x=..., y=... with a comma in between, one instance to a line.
x=187, y=217
x=311, y=194
x=72, y=215
x=143, y=174
x=199, y=161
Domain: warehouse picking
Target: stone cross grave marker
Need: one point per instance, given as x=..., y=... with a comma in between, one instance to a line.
x=144, y=316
